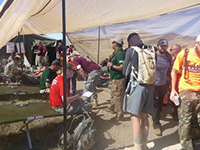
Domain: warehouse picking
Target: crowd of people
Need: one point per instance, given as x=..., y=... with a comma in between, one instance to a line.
x=176, y=75
x=174, y=68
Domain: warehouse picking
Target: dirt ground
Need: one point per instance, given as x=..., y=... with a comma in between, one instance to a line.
x=111, y=135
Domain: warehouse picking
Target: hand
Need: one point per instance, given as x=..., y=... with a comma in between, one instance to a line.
x=78, y=96
x=105, y=74
x=85, y=82
x=109, y=64
x=172, y=95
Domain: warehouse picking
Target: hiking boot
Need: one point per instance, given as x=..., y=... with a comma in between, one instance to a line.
x=119, y=117
x=110, y=110
x=94, y=113
x=157, y=131
x=94, y=102
x=174, y=115
x=137, y=146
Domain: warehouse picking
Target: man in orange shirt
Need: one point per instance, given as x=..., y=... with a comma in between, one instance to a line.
x=189, y=92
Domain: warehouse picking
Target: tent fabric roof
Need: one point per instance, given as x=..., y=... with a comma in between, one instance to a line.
x=45, y=16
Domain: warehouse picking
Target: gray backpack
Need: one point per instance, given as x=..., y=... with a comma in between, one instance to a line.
x=80, y=133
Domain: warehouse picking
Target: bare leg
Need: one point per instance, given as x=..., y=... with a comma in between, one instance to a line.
x=137, y=131
x=145, y=130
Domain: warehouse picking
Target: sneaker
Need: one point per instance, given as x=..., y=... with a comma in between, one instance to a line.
x=157, y=131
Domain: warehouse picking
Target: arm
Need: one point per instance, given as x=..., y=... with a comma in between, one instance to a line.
x=6, y=70
x=71, y=98
x=115, y=67
x=37, y=52
x=82, y=73
x=174, y=80
x=127, y=62
x=48, y=85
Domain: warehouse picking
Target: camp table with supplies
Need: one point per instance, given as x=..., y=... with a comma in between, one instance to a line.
x=26, y=112
x=12, y=92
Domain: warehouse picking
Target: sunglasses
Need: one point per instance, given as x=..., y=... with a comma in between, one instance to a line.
x=114, y=42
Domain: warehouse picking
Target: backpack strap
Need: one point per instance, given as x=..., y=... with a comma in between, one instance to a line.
x=169, y=58
x=133, y=70
x=186, y=73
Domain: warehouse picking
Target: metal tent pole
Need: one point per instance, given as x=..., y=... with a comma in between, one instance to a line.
x=64, y=76
x=20, y=50
x=98, y=45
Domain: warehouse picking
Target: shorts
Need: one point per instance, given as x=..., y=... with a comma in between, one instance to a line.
x=78, y=106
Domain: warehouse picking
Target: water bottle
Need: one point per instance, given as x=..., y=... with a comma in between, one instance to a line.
x=176, y=100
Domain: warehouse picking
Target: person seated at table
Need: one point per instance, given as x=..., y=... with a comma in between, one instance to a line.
x=48, y=75
x=20, y=78
x=74, y=103
x=10, y=65
x=11, y=57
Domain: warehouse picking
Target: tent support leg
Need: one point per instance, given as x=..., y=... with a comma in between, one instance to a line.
x=25, y=124
x=28, y=135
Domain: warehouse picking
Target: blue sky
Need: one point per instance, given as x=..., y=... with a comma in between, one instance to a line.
x=1, y=1
x=55, y=35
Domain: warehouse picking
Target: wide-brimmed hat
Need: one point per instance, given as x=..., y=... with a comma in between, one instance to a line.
x=118, y=40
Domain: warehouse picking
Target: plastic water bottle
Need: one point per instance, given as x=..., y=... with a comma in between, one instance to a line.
x=176, y=100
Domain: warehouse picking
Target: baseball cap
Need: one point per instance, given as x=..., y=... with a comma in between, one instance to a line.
x=118, y=40
x=56, y=62
x=162, y=42
x=73, y=54
x=17, y=57
x=198, y=38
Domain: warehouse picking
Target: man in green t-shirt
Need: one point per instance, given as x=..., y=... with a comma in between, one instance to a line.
x=115, y=64
x=48, y=75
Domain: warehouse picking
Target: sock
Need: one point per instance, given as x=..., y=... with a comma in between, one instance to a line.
x=138, y=140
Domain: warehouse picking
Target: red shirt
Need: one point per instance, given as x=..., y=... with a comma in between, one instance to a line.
x=59, y=49
x=56, y=91
x=69, y=51
x=40, y=49
x=87, y=64
x=45, y=50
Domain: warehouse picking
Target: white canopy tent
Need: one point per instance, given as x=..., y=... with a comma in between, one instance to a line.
x=180, y=27
x=44, y=16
